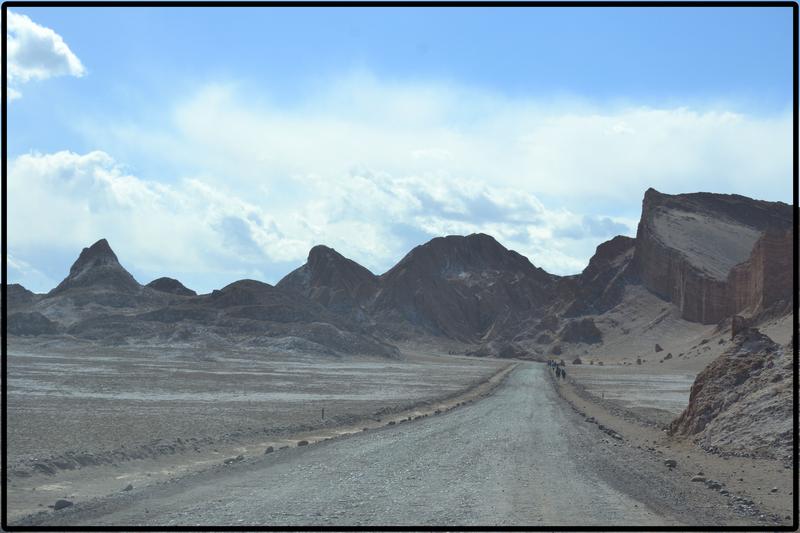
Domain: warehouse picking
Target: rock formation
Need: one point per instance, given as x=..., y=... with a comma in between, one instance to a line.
x=688, y=247
x=462, y=287
x=742, y=402
x=172, y=286
x=332, y=280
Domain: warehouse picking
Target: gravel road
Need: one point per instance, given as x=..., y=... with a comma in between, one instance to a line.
x=519, y=457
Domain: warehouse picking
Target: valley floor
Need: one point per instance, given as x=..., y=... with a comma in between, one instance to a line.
x=85, y=421
x=518, y=457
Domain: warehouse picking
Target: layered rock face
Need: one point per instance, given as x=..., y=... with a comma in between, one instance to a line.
x=742, y=402
x=332, y=280
x=463, y=287
x=688, y=245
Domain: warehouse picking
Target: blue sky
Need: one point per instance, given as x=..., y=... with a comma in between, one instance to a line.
x=239, y=138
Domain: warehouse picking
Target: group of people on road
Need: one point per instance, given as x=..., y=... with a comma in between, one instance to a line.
x=557, y=368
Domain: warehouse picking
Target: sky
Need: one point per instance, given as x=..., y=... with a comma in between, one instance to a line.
x=215, y=144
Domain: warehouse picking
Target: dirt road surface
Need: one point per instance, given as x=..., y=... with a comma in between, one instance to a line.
x=519, y=457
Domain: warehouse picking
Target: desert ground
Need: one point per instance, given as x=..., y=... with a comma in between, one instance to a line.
x=448, y=439
x=518, y=456
x=87, y=421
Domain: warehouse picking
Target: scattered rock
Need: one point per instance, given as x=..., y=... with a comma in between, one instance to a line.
x=303, y=443
x=659, y=348
x=668, y=356
x=774, y=489
x=269, y=449
x=128, y=488
x=232, y=460
x=391, y=423
x=62, y=504
x=670, y=463
x=698, y=479
x=577, y=361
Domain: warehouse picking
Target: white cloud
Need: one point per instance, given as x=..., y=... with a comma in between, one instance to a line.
x=35, y=52
x=373, y=169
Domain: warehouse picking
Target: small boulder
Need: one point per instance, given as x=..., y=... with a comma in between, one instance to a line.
x=668, y=356
x=659, y=348
x=269, y=449
x=577, y=361
x=303, y=443
x=62, y=504
x=670, y=463
x=699, y=479
x=774, y=489
x=128, y=488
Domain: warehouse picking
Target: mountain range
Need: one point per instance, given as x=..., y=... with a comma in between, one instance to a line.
x=707, y=256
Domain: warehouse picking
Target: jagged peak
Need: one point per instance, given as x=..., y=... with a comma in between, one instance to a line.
x=98, y=265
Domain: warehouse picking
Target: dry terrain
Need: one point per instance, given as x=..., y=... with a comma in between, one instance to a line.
x=85, y=421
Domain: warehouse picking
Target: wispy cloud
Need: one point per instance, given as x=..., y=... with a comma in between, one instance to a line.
x=36, y=53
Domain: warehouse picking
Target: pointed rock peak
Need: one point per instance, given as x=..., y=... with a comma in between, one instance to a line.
x=98, y=265
x=172, y=286
x=98, y=254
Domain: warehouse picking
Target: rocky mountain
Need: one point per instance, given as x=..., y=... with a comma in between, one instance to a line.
x=100, y=301
x=711, y=254
x=742, y=402
x=98, y=268
x=332, y=280
x=462, y=288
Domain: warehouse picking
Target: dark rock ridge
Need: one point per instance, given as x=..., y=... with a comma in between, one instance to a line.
x=711, y=255
x=170, y=285
x=332, y=280
x=465, y=288
x=742, y=401
x=688, y=247
x=602, y=283
x=100, y=301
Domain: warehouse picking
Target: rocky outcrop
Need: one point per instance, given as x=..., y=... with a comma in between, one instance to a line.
x=33, y=323
x=462, y=287
x=742, y=402
x=581, y=331
x=17, y=295
x=171, y=286
x=602, y=283
x=334, y=281
x=688, y=245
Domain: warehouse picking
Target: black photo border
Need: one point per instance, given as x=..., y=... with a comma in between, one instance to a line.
x=499, y=4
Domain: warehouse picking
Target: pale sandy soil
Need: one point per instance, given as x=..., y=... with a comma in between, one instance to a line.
x=143, y=416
